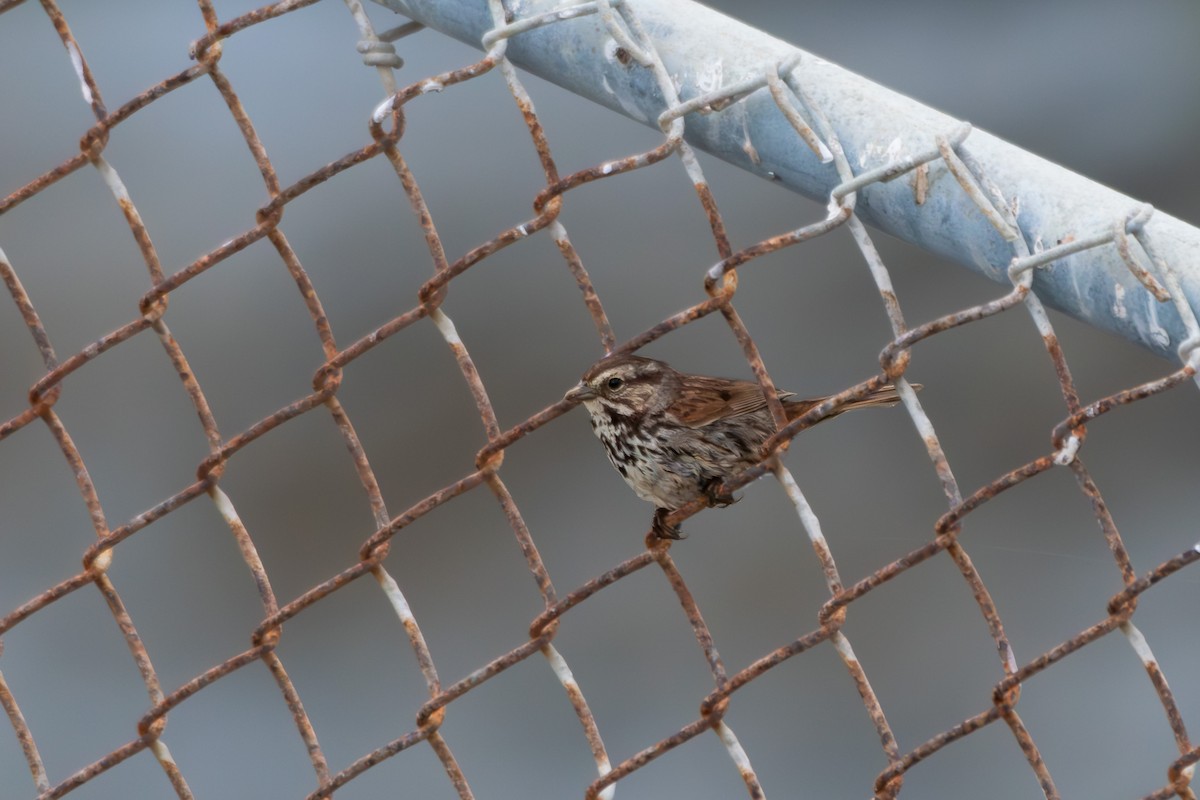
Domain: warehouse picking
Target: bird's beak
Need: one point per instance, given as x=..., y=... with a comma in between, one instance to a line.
x=579, y=393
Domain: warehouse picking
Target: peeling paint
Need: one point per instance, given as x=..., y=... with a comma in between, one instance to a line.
x=709, y=80
x=873, y=152
x=747, y=144
x=77, y=63
x=1118, y=306
x=1157, y=332
x=892, y=154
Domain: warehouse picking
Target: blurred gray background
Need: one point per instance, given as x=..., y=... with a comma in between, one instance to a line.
x=1106, y=88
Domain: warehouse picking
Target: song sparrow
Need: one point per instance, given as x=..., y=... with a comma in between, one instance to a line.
x=674, y=437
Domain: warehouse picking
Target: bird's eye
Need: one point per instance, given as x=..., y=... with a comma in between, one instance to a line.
x=615, y=383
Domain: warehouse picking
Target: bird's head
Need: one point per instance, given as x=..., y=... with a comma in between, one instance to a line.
x=625, y=385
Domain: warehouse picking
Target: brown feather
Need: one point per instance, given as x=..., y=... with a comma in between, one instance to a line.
x=885, y=395
x=703, y=400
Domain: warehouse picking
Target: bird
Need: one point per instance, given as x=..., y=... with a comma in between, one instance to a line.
x=675, y=437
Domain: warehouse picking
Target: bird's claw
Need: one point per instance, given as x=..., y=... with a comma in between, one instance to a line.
x=662, y=530
x=715, y=496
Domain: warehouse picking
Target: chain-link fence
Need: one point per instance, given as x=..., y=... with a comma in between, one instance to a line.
x=386, y=550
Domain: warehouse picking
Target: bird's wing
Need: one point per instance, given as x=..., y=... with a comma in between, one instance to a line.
x=703, y=400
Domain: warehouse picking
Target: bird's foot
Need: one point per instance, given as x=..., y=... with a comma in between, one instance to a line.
x=662, y=530
x=715, y=497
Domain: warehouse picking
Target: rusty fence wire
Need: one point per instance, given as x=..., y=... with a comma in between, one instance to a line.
x=946, y=150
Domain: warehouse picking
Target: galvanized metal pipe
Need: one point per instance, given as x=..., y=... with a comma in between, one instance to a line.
x=704, y=51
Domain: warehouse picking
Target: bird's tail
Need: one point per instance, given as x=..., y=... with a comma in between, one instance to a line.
x=885, y=395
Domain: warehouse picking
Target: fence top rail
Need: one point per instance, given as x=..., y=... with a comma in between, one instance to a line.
x=708, y=53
